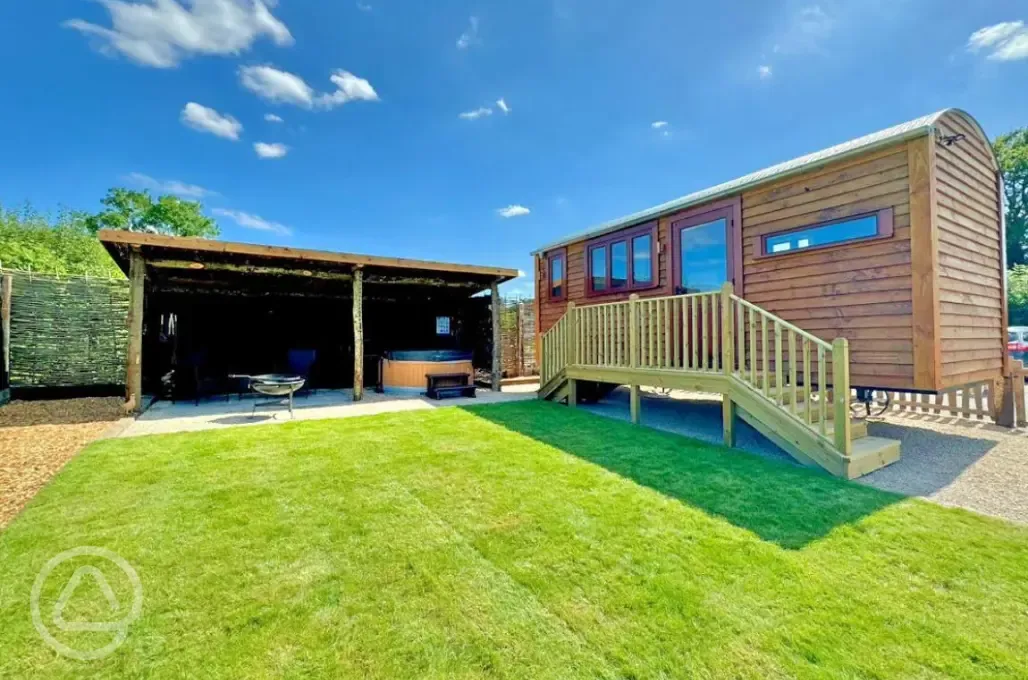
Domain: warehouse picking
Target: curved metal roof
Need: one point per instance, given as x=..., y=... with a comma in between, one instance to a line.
x=909, y=130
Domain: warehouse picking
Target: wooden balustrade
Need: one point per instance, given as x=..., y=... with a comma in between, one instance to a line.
x=713, y=332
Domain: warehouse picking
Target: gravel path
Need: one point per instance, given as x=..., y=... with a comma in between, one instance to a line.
x=952, y=461
x=38, y=437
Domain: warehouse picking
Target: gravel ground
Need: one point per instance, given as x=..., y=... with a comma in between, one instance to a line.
x=38, y=437
x=952, y=461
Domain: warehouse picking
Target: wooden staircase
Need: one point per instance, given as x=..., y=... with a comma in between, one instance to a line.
x=772, y=375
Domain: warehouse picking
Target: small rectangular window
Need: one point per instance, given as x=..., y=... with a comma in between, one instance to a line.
x=442, y=325
x=642, y=260
x=557, y=274
x=619, y=264
x=829, y=233
x=598, y=268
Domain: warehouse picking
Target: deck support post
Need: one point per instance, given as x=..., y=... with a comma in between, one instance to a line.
x=572, y=393
x=727, y=364
x=497, y=337
x=134, y=355
x=635, y=400
x=841, y=395
x=571, y=352
x=635, y=404
x=6, y=285
x=358, y=334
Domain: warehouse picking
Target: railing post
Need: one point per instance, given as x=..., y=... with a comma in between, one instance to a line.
x=572, y=333
x=633, y=330
x=841, y=394
x=727, y=330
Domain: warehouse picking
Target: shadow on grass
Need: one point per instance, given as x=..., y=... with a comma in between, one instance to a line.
x=782, y=503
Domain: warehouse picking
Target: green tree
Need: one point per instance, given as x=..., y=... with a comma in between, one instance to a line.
x=1012, y=152
x=138, y=211
x=32, y=241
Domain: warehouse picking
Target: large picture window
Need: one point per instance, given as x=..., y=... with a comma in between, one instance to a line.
x=557, y=277
x=837, y=232
x=623, y=261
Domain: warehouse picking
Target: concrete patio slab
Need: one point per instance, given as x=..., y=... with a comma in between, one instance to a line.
x=165, y=417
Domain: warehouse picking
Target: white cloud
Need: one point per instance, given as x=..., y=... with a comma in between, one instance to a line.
x=270, y=150
x=162, y=33
x=206, y=119
x=513, y=211
x=283, y=87
x=1006, y=41
x=502, y=103
x=470, y=36
x=764, y=71
x=249, y=221
x=477, y=113
x=363, y=6
x=272, y=118
x=169, y=186
x=658, y=124
x=805, y=31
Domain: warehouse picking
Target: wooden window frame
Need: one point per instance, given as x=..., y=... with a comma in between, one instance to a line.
x=729, y=209
x=886, y=228
x=562, y=255
x=627, y=236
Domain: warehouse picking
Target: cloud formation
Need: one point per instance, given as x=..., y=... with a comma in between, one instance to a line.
x=470, y=36
x=248, y=221
x=204, y=119
x=1006, y=41
x=764, y=71
x=162, y=33
x=169, y=186
x=502, y=104
x=282, y=87
x=476, y=113
x=272, y=118
x=274, y=150
x=513, y=211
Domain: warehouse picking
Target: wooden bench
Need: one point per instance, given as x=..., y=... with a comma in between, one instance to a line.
x=443, y=385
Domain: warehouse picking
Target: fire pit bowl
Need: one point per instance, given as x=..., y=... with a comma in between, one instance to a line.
x=276, y=385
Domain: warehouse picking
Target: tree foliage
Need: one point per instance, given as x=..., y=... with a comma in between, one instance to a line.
x=1012, y=152
x=59, y=244
x=137, y=211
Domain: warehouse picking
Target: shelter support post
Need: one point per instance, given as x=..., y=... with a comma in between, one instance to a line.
x=134, y=356
x=6, y=284
x=497, y=337
x=358, y=334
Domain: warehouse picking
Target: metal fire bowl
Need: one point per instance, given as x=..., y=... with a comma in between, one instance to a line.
x=276, y=384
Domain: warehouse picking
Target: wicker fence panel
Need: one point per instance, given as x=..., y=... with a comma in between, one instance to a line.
x=517, y=327
x=67, y=332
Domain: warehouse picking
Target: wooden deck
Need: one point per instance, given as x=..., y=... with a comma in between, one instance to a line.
x=790, y=385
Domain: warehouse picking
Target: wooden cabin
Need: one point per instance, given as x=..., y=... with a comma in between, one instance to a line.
x=893, y=241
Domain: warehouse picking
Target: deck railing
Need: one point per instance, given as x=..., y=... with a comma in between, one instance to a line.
x=710, y=333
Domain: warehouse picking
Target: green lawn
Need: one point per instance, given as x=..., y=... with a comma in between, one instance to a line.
x=520, y=540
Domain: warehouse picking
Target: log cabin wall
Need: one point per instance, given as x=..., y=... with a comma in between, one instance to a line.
x=860, y=291
x=970, y=250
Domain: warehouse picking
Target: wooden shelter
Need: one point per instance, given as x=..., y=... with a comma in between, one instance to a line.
x=892, y=243
x=242, y=305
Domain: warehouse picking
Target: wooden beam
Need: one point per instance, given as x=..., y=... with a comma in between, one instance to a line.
x=635, y=404
x=131, y=238
x=134, y=356
x=198, y=266
x=6, y=288
x=924, y=251
x=495, y=303
x=358, y=334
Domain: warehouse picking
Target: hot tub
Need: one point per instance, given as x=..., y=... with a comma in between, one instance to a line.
x=406, y=369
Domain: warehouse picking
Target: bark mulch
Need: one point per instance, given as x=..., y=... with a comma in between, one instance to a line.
x=38, y=437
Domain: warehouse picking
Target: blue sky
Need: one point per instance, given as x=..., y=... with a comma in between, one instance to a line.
x=611, y=106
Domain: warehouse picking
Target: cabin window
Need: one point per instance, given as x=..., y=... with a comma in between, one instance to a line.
x=442, y=325
x=837, y=232
x=558, y=272
x=622, y=261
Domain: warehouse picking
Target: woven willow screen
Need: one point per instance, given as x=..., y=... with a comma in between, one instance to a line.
x=67, y=332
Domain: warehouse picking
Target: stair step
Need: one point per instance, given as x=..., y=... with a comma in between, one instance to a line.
x=871, y=453
x=858, y=429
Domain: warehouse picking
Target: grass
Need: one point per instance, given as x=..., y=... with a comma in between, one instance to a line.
x=518, y=540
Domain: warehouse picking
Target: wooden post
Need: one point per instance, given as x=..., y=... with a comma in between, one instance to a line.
x=358, y=334
x=497, y=337
x=572, y=393
x=633, y=330
x=727, y=365
x=134, y=356
x=6, y=286
x=572, y=335
x=841, y=395
x=635, y=403
x=1001, y=400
